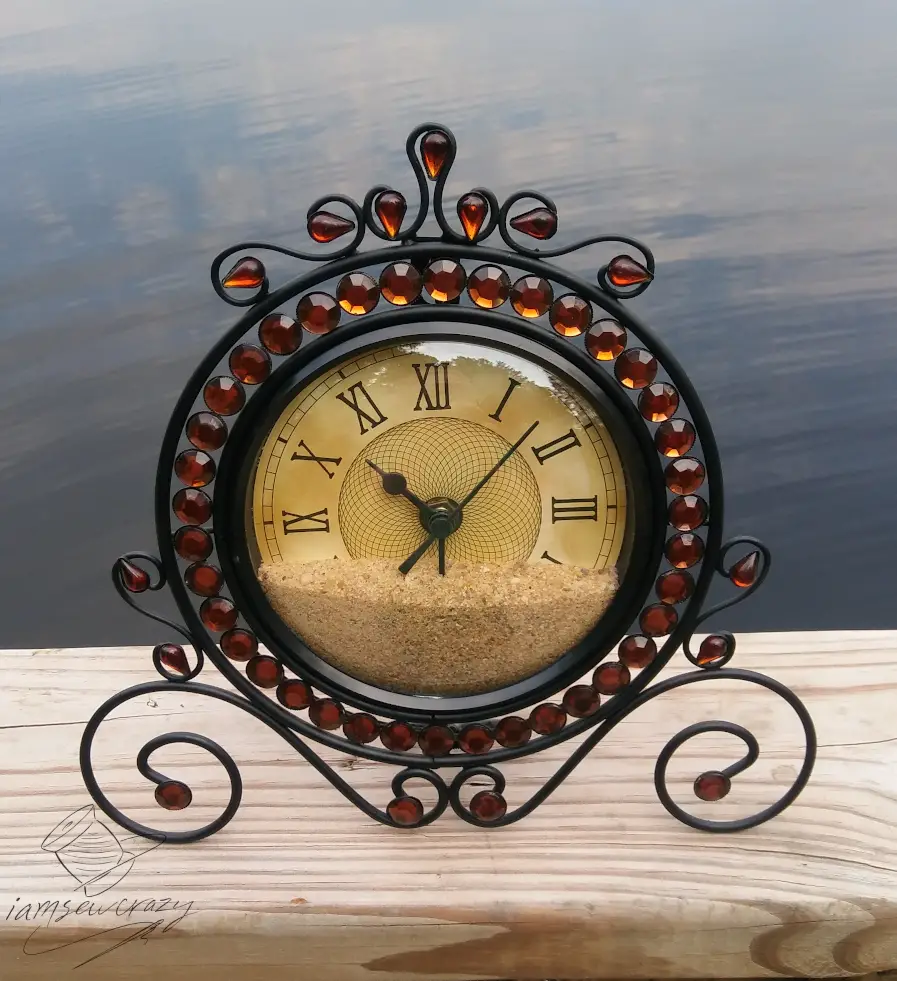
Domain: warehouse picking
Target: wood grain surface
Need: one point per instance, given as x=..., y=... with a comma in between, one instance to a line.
x=600, y=882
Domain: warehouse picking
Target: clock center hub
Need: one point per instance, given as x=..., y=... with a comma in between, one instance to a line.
x=444, y=518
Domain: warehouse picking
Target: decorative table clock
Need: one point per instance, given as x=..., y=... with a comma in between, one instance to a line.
x=440, y=505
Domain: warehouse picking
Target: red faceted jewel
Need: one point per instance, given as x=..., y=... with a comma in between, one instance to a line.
x=405, y=811
x=361, y=728
x=239, y=644
x=637, y=651
x=513, y=732
x=476, y=739
x=712, y=786
x=326, y=713
x=687, y=513
x=547, y=718
x=247, y=274
x=250, y=364
x=205, y=580
x=538, y=223
x=193, y=544
x=195, y=468
x=623, y=270
x=294, y=694
x=324, y=226
x=173, y=795
x=218, y=614
x=192, y=506
x=280, y=334
x=472, y=210
x=488, y=806
x=224, y=395
x=581, y=700
x=391, y=207
x=611, y=677
x=745, y=571
x=134, y=579
x=398, y=736
x=437, y=740
x=434, y=150
x=173, y=658
x=658, y=620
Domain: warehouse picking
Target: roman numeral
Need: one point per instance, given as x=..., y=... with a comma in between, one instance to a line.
x=565, y=442
x=434, y=388
x=512, y=384
x=321, y=461
x=574, y=509
x=545, y=555
x=350, y=398
x=318, y=523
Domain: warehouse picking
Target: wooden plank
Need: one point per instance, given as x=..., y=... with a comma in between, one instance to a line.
x=600, y=882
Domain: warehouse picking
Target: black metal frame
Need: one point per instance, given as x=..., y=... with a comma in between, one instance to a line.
x=135, y=573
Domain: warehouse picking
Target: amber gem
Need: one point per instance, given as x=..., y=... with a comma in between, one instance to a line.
x=436, y=740
x=173, y=658
x=606, y=340
x=623, y=270
x=280, y=334
x=173, y=795
x=538, y=223
x=434, y=150
x=745, y=571
x=635, y=368
x=713, y=648
x=294, y=694
x=637, y=651
x=325, y=226
x=224, y=395
x=250, y=364
x=444, y=280
x=193, y=544
x=405, y=811
x=204, y=580
x=400, y=283
x=192, y=506
x=247, y=274
x=684, y=550
x=488, y=806
x=674, y=587
x=218, y=614
x=712, y=786
x=546, y=719
x=360, y=728
x=391, y=207
x=357, y=293
x=326, y=714
x=318, y=313
x=531, y=296
x=475, y=739
x=570, y=315
x=489, y=287
x=611, y=677
x=658, y=620
x=658, y=402
x=675, y=437
x=581, y=700
x=239, y=644
x=206, y=431
x=398, y=736
x=472, y=210
x=135, y=579
x=685, y=475
x=264, y=671
x=195, y=468
x=513, y=731
x=687, y=513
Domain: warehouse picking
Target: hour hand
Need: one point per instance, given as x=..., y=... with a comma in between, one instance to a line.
x=395, y=484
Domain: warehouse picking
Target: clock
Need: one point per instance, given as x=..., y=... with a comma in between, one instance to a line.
x=440, y=504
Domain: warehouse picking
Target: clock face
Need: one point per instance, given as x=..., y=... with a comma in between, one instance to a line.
x=439, y=481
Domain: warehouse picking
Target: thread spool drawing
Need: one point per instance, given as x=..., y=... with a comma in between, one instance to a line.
x=90, y=852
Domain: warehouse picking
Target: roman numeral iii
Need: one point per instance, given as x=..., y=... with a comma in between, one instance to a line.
x=574, y=509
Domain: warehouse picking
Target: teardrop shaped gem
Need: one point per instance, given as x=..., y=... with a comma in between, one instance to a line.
x=538, y=223
x=625, y=271
x=391, y=207
x=172, y=657
x=472, y=209
x=247, y=274
x=434, y=150
x=324, y=226
x=745, y=571
x=134, y=578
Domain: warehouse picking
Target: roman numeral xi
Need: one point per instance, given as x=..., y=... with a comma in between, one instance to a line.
x=364, y=407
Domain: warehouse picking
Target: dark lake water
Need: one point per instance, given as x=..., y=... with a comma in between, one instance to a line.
x=753, y=146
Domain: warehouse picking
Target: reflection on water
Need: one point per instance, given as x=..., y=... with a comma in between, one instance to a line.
x=751, y=145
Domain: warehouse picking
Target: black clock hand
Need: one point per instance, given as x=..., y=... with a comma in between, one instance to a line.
x=445, y=525
x=441, y=544
x=395, y=483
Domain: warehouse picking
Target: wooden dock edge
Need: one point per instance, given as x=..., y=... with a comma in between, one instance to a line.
x=599, y=882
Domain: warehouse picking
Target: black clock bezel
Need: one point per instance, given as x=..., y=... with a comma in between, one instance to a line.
x=645, y=507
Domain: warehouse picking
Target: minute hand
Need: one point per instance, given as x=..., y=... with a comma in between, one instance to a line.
x=498, y=466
